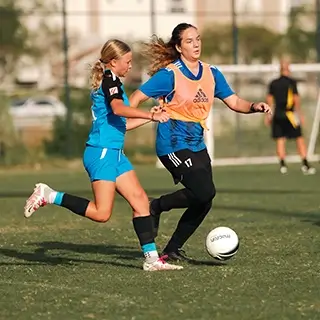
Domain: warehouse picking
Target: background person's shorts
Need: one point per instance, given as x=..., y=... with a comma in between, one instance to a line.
x=283, y=128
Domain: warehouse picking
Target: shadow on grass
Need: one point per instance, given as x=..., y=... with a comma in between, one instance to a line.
x=214, y=263
x=314, y=222
x=42, y=256
x=120, y=252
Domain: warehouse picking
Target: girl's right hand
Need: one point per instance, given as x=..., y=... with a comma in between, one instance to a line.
x=160, y=116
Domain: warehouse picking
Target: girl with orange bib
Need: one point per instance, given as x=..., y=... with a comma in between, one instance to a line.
x=186, y=88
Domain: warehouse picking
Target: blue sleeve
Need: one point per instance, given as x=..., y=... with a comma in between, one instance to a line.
x=222, y=89
x=159, y=85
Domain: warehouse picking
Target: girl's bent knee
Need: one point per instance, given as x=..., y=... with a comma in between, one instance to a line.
x=103, y=216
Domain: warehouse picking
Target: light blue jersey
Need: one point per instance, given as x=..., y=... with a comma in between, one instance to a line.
x=103, y=157
x=108, y=130
x=176, y=135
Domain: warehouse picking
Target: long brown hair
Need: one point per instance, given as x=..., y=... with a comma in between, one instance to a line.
x=159, y=53
x=112, y=49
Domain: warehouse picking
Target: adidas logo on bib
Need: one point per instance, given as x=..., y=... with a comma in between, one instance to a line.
x=200, y=97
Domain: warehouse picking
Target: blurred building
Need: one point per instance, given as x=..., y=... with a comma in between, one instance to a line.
x=91, y=22
x=134, y=19
x=273, y=14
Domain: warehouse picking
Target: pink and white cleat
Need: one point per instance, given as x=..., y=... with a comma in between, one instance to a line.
x=39, y=198
x=160, y=265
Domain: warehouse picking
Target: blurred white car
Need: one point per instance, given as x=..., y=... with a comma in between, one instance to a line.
x=38, y=107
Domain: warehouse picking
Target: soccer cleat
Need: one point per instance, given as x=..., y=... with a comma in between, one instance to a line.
x=155, y=218
x=308, y=170
x=160, y=265
x=283, y=169
x=179, y=255
x=39, y=198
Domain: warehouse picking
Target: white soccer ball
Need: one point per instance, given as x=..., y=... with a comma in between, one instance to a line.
x=222, y=243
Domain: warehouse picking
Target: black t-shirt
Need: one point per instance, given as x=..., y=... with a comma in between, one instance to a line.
x=283, y=89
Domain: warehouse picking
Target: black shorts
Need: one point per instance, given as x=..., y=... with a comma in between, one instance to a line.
x=283, y=128
x=184, y=161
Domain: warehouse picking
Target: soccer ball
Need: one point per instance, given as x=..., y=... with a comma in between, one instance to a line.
x=222, y=243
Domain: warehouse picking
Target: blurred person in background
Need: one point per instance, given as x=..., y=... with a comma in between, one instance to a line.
x=108, y=168
x=287, y=117
x=187, y=87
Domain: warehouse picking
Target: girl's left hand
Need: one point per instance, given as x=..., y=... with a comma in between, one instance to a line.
x=156, y=109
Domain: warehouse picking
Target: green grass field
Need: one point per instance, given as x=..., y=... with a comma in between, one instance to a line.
x=59, y=266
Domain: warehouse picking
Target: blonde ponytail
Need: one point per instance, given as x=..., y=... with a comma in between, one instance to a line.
x=97, y=71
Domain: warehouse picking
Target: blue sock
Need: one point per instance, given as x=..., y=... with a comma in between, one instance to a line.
x=58, y=198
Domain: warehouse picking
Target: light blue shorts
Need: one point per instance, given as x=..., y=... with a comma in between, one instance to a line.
x=105, y=164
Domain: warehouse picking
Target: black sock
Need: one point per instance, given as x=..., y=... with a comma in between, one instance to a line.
x=305, y=163
x=144, y=229
x=282, y=163
x=75, y=204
